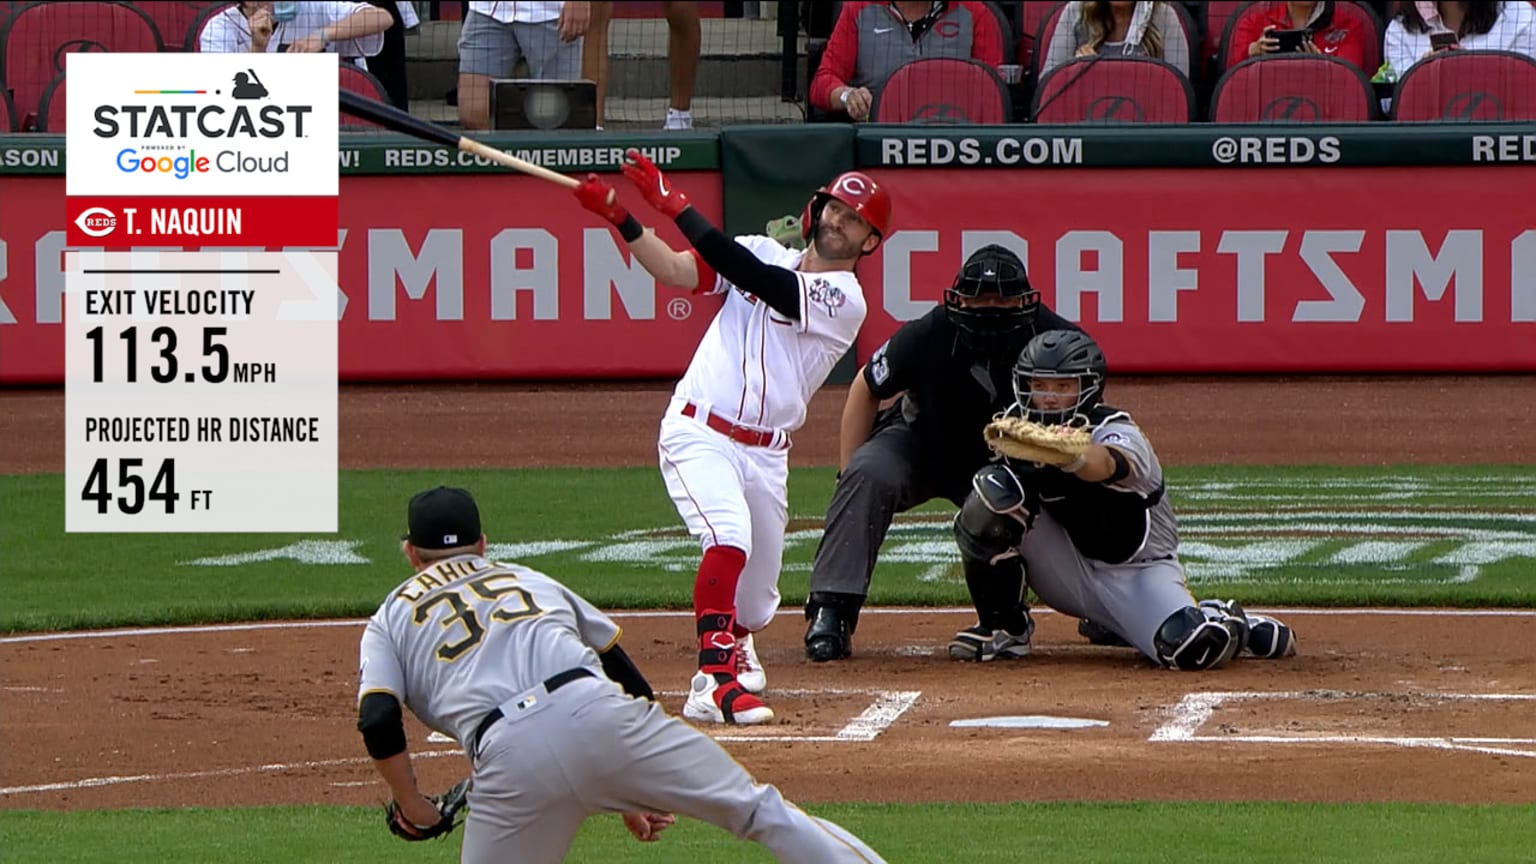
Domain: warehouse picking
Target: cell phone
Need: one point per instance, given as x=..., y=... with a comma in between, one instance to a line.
x=1442, y=41
x=1290, y=40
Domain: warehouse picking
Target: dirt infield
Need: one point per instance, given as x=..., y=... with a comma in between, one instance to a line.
x=1388, y=706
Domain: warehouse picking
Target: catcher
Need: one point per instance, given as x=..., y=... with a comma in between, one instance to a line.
x=1074, y=508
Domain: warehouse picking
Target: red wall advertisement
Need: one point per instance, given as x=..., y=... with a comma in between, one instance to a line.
x=1238, y=270
x=475, y=277
x=485, y=277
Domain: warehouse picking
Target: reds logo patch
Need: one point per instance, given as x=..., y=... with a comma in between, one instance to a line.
x=824, y=294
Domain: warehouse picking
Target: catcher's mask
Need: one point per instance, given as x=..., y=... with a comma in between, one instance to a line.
x=862, y=195
x=991, y=271
x=1060, y=354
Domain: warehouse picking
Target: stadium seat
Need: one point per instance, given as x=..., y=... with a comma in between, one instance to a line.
x=1110, y=89
x=1361, y=16
x=194, y=37
x=1009, y=36
x=1032, y=18
x=1214, y=32
x=943, y=90
x=175, y=19
x=363, y=83
x=51, y=110
x=1293, y=88
x=1043, y=35
x=1467, y=87
x=7, y=115
x=34, y=43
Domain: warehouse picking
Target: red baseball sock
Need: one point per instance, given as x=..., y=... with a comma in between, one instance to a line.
x=715, y=586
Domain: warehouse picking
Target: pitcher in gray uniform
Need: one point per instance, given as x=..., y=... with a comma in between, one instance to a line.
x=1096, y=539
x=555, y=718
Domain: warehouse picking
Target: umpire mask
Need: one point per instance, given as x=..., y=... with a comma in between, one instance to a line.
x=991, y=302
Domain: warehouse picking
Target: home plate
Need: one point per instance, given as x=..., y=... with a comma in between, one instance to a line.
x=1030, y=721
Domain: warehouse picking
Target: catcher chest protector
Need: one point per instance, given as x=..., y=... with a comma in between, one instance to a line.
x=991, y=271
x=1061, y=354
x=1105, y=524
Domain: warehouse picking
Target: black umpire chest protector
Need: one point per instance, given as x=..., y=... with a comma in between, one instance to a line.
x=1105, y=524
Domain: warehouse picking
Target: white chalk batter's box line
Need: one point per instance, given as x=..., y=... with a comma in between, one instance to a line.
x=884, y=711
x=1195, y=709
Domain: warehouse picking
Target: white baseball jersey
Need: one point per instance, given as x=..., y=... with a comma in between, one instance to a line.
x=758, y=368
x=459, y=638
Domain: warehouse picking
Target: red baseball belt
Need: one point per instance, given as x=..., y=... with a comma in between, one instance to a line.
x=742, y=434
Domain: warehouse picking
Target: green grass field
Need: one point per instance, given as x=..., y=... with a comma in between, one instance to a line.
x=1314, y=536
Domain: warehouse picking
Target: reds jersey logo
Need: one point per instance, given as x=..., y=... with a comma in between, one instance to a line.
x=823, y=294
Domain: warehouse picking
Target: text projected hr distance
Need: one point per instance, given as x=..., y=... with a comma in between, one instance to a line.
x=200, y=391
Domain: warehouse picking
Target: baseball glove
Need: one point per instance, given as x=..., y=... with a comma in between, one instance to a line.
x=1018, y=438
x=449, y=804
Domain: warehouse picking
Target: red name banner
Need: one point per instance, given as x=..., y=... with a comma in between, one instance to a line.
x=1237, y=270
x=118, y=222
x=473, y=277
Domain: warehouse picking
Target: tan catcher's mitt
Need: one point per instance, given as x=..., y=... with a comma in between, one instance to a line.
x=1018, y=438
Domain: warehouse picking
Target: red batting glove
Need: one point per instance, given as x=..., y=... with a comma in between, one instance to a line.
x=600, y=197
x=653, y=185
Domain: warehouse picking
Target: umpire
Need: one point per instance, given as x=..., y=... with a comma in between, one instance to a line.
x=953, y=370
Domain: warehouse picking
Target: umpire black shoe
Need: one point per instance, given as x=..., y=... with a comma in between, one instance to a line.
x=829, y=636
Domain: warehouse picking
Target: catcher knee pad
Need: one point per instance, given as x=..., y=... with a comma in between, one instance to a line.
x=994, y=518
x=1269, y=639
x=1197, y=638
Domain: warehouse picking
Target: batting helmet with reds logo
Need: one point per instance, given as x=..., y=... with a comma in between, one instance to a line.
x=862, y=195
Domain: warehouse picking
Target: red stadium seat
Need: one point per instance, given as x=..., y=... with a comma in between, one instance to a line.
x=1110, y=89
x=51, y=110
x=33, y=45
x=1293, y=88
x=1043, y=29
x=194, y=37
x=1032, y=15
x=357, y=81
x=1467, y=87
x=174, y=19
x=1218, y=16
x=943, y=90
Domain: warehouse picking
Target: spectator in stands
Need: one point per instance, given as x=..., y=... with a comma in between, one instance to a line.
x=684, y=43
x=1139, y=29
x=871, y=40
x=495, y=35
x=353, y=30
x=1479, y=25
x=1253, y=34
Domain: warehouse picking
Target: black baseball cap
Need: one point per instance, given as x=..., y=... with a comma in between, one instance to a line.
x=443, y=518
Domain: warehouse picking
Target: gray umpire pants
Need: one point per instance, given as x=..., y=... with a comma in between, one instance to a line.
x=588, y=748
x=890, y=473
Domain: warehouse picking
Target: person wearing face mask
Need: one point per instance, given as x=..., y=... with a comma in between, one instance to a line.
x=353, y=30
x=1113, y=28
x=950, y=370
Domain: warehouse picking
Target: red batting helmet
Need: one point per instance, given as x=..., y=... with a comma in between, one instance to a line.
x=862, y=195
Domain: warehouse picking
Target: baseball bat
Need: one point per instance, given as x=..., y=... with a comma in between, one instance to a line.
x=394, y=119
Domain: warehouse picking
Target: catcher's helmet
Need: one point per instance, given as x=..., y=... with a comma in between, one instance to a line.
x=857, y=190
x=1061, y=354
x=991, y=270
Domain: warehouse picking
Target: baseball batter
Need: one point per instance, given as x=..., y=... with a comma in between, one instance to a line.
x=1095, y=538
x=556, y=719
x=788, y=317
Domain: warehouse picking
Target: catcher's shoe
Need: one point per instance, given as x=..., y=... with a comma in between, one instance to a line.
x=1268, y=638
x=1098, y=634
x=749, y=670
x=980, y=645
x=829, y=636
x=720, y=698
